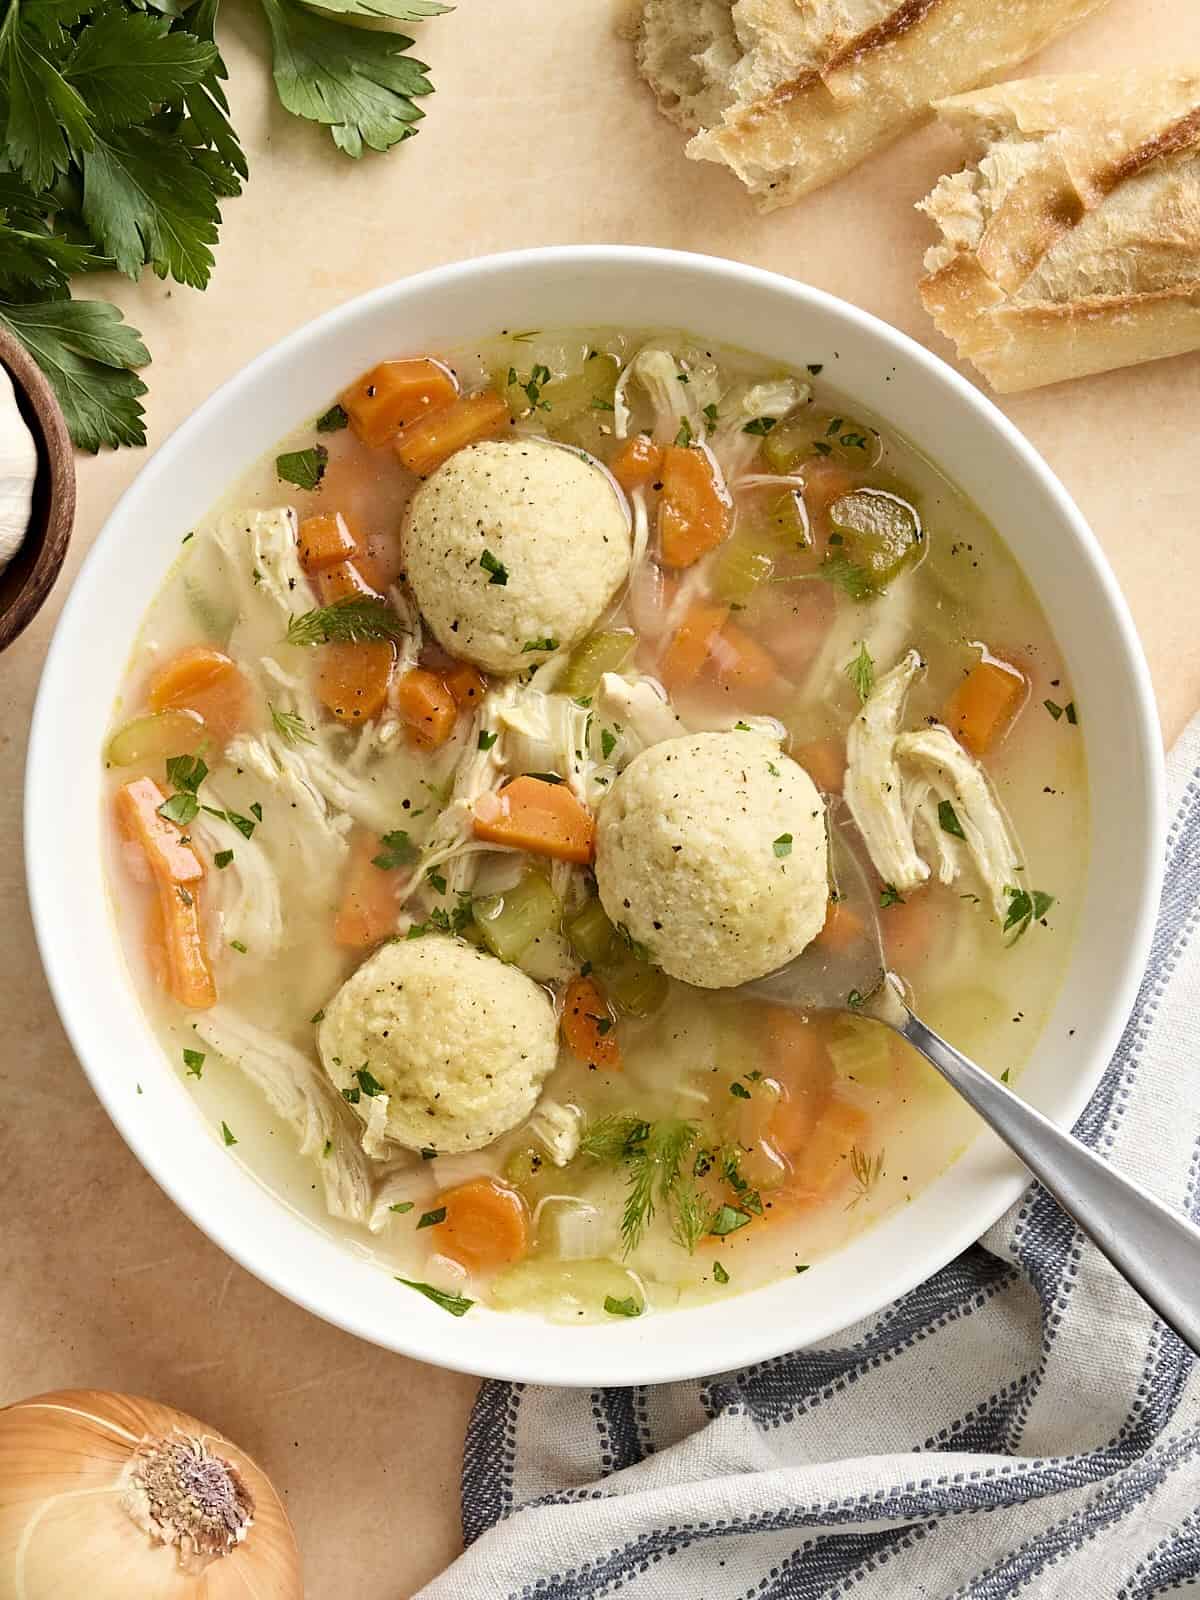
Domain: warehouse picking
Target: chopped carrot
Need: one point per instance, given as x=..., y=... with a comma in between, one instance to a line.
x=466, y=684
x=799, y=1063
x=370, y=902
x=739, y=661
x=843, y=928
x=177, y=871
x=824, y=482
x=908, y=927
x=341, y=581
x=205, y=681
x=325, y=540
x=984, y=704
x=689, y=649
x=426, y=707
x=425, y=444
x=395, y=394
x=825, y=762
x=825, y=1156
x=486, y=1225
x=353, y=679
x=544, y=818
x=694, y=514
x=589, y=1026
x=638, y=461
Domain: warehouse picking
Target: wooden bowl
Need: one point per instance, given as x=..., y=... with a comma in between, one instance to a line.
x=29, y=576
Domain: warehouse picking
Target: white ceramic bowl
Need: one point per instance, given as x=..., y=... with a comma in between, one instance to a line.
x=543, y=288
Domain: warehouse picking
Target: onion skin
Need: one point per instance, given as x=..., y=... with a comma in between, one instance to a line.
x=65, y=1530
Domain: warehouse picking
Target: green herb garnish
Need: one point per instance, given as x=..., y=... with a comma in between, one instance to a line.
x=866, y=1171
x=628, y=1307
x=727, y=1219
x=402, y=1207
x=861, y=672
x=290, y=726
x=398, y=850
x=317, y=1016
x=1024, y=906
x=222, y=859
x=486, y=740
x=1072, y=714
x=236, y=944
x=244, y=825
x=684, y=437
x=333, y=420
x=599, y=404
x=948, y=818
x=608, y=742
x=760, y=426
x=538, y=644
x=889, y=895
x=304, y=468
x=783, y=845
x=227, y=1135
x=652, y=1156
x=352, y=620
x=1053, y=708
x=430, y=1219
x=436, y=879
x=369, y=1084
x=456, y=1304
x=719, y=1273
x=497, y=569
x=180, y=809
x=739, y=1090
x=193, y=1060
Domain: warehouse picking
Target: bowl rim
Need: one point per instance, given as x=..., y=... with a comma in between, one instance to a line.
x=56, y=459
x=650, y=1361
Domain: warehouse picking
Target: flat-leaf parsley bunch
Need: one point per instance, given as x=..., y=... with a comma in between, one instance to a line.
x=116, y=150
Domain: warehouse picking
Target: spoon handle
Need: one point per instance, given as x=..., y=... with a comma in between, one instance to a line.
x=1154, y=1248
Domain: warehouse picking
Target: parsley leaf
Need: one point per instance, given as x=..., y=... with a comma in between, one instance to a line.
x=889, y=895
x=719, y=1273
x=861, y=672
x=193, y=1060
x=948, y=818
x=499, y=572
x=398, y=850
x=430, y=1219
x=684, y=437
x=227, y=1135
x=304, y=468
x=358, y=83
x=87, y=351
x=760, y=426
x=783, y=845
x=486, y=740
x=628, y=1307
x=456, y=1304
x=333, y=420
x=1024, y=906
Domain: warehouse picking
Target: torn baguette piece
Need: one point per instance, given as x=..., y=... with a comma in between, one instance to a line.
x=792, y=93
x=1071, y=241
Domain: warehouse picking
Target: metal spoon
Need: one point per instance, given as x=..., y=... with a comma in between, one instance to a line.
x=1153, y=1247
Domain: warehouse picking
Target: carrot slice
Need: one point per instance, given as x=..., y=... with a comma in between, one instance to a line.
x=177, y=871
x=825, y=762
x=637, y=462
x=544, y=818
x=984, y=704
x=353, y=679
x=486, y=1225
x=427, y=708
x=205, y=681
x=739, y=661
x=694, y=513
x=909, y=927
x=394, y=394
x=689, y=649
x=589, y=1027
x=324, y=540
x=427, y=443
x=842, y=930
x=342, y=580
x=370, y=902
x=825, y=1156
x=467, y=685
x=799, y=1063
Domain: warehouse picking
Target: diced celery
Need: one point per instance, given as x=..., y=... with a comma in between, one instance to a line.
x=593, y=935
x=564, y=1291
x=547, y=958
x=743, y=565
x=216, y=619
x=788, y=520
x=607, y=651
x=509, y=922
x=569, y=392
x=590, y=389
x=881, y=532
x=861, y=1052
x=634, y=985
x=154, y=737
x=821, y=433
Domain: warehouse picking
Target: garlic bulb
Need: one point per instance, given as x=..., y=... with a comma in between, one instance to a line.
x=18, y=469
x=110, y=1497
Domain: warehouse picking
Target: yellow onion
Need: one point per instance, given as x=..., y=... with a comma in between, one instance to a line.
x=111, y=1497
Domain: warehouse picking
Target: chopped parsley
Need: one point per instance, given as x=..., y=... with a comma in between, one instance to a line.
x=222, y=859
x=711, y=413
x=684, y=437
x=741, y=727
x=456, y=1304
x=719, y=1273
x=816, y=367
x=600, y=404
x=227, y=1135
x=244, y=825
x=304, y=468
x=1072, y=714
x=727, y=1219
x=856, y=999
x=185, y=774
x=436, y=879
x=236, y=944
x=402, y=1207
x=948, y=818
x=193, y=1060
x=1004, y=1075
x=256, y=811
x=430, y=1219
x=628, y=1307
x=486, y=740
x=889, y=895
x=333, y=420
x=760, y=425
x=608, y=742
x=739, y=1090
x=180, y=809
x=861, y=672
x=1024, y=906
x=497, y=569
x=531, y=645
x=783, y=845
x=1053, y=708
x=398, y=850
x=317, y=1016
x=369, y=1084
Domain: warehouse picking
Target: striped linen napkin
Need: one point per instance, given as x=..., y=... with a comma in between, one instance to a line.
x=1019, y=1425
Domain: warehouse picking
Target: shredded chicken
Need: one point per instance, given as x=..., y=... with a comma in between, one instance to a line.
x=744, y=403
x=296, y=1089
x=559, y=1127
x=246, y=892
x=675, y=399
x=895, y=784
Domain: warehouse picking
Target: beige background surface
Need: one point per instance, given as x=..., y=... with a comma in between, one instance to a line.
x=538, y=133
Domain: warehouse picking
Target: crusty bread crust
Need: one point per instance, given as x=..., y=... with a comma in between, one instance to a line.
x=796, y=92
x=1071, y=243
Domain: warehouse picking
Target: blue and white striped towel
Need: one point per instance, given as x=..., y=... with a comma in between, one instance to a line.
x=1019, y=1425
